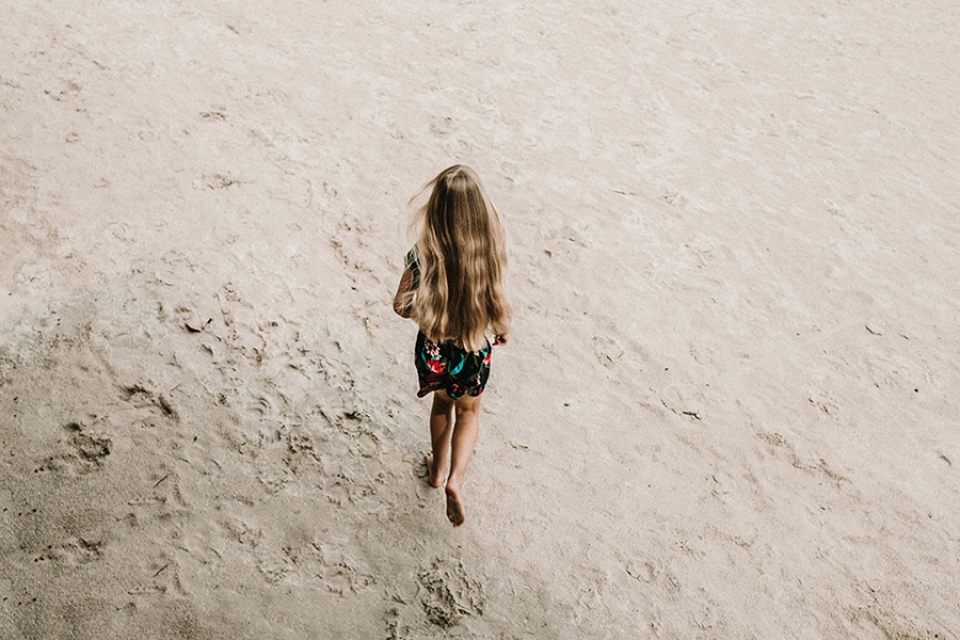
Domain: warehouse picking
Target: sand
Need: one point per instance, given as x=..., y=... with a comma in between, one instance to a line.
x=729, y=407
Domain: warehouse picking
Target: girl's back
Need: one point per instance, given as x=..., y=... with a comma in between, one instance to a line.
x=462, y=259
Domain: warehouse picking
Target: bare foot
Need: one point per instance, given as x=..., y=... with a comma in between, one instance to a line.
x=455, y=510
x=433, y=477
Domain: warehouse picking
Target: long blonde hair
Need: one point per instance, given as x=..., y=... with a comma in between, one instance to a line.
x=463, y=259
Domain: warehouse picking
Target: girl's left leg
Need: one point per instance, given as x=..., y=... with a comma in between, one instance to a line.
x=465, y=433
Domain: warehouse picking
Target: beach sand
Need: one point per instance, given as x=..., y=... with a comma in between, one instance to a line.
x=730, y=403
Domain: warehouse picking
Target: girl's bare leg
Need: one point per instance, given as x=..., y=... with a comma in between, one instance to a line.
x=464, y=439
x=441, y=431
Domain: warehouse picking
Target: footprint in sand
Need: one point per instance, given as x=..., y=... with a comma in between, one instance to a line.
x=73, y=552
x=686, y=404
x=164, y=488
x=87, y=453
x=448, y=594
x=341, y=572
x=643, y=571
x=142, y=398
x=261, y=406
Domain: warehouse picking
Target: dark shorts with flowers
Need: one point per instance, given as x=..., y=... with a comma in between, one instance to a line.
x=446, y=366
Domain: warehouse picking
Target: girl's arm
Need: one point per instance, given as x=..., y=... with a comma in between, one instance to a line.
x=401, y=301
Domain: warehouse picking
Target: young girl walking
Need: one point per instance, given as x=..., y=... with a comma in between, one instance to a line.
x=452, y=286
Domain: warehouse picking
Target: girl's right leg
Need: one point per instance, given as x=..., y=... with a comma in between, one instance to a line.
x=441, y=432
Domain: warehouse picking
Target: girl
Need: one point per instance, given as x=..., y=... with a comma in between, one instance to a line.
x=452, y=287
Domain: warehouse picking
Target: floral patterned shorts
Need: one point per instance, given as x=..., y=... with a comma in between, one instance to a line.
x=446, y=366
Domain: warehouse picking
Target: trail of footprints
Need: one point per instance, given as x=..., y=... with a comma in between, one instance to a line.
x=290, y=428
x=298, y=425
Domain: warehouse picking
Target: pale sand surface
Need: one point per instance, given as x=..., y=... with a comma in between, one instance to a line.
x=731, y=404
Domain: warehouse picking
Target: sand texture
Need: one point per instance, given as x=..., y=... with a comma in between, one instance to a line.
x=730, y=406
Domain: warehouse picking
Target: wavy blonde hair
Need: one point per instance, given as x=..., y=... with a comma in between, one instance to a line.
x=463, y=260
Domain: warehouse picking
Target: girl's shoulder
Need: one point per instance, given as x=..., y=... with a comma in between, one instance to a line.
x=412, y=259
x=412, y=263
